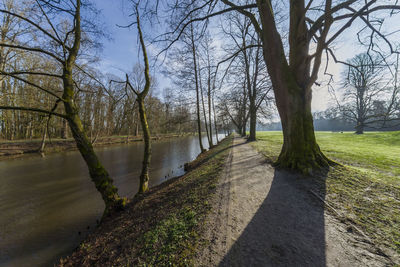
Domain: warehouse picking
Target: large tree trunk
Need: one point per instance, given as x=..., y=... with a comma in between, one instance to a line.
x=300, y=150
x=292, y=84
x=144, y=176
x=98, y=174
x=360, y=127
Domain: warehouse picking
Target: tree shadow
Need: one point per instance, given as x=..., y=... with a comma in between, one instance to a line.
x=288, y=229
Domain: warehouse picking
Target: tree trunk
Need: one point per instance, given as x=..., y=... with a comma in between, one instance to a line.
x=215, y=121
x=43, y=143
x=204, y=110
x=209, y=122
x=244, y=126
x=292, y=84
x=98, y=174
x=144, y=176
x=64, y=130
x=239, y=129
x=197, y=90
x=209, y=110
x=140, y=97
x=359, y=127
x=253, y=120
x=137, y=125
x=300, y=150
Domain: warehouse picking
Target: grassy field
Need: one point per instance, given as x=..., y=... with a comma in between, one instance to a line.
x=366, y=188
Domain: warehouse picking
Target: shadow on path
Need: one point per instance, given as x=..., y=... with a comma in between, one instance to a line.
x=288, y=228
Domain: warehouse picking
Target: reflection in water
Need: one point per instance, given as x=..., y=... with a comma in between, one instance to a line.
x=45, y=202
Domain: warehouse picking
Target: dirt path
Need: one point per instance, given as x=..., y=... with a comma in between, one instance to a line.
x=266, y=217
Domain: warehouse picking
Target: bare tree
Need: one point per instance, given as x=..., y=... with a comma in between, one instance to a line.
x=313, y=27
x=363, y=87
x=61, y=31
x=140, y=99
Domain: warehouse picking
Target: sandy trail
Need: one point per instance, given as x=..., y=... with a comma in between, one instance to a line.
x=266, y=217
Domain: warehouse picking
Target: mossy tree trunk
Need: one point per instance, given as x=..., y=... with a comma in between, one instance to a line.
x=292, y=82
x=98, y=174
x=140, y=99
x=70, y=48
x=300, y=150
x=144, y=176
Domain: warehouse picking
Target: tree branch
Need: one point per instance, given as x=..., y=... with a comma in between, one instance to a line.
x=35, y=110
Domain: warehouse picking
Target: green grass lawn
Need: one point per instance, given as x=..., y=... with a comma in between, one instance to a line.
x=367, y=187
x=374, y=152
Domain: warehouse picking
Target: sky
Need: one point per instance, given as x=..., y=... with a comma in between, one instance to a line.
x=120, y=54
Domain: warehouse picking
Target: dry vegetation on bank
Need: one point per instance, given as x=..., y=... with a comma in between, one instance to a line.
x=162, y=227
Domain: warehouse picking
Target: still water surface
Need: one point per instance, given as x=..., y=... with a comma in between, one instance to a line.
x=46, y=202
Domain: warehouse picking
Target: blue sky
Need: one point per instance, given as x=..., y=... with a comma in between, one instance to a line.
x=120, y=54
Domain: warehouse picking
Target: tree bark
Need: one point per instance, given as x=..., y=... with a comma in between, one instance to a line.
x=197, y=89
x=98, y=174
x=244, y=128
x=253, y=119
x=360, y=127
x=204, y=110
x=64, y=130
x=43, y=142
x=300, y=150
x=292, y=88
x=215, y=121
x=137, y=125
x=209, y=108
x=144, y=176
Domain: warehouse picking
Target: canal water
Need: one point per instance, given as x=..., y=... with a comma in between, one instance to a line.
x=48, y=205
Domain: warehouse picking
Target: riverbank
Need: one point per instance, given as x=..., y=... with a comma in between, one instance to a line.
x=12, y=149
x=163, y=227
